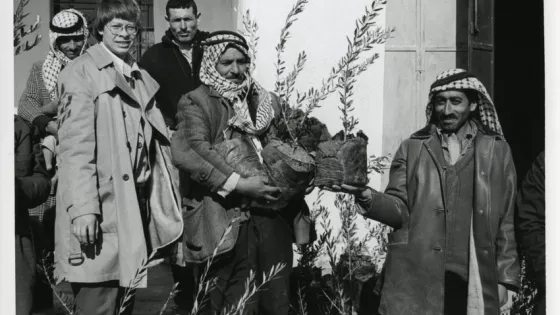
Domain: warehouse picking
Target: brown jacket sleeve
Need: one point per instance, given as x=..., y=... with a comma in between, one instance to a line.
x=391, y=208
x=506, y=245
x=191, y=145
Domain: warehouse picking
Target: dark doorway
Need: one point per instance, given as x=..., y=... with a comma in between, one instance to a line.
x=519, y=78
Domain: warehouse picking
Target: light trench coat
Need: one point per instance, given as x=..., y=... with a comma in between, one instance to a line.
x=96, y=174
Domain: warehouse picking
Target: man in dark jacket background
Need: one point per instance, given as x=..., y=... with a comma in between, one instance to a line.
x=450, y=198
x=531, y=228
x=32, y=187
x=175, y=62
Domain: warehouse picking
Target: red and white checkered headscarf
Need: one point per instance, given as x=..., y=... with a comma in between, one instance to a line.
x=459, y=79
x=214, y=46
x=68, y=22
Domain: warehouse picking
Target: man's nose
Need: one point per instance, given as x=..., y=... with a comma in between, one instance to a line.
x=447, y=109
x=184, y=25
x=73, y=44
x=234, y=68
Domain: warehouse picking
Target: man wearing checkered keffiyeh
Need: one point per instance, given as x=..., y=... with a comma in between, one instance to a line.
x=231, y=105
x=67, y=39
x=214, y=47
x=461, y=80
x=38, y=105
x=450, y=198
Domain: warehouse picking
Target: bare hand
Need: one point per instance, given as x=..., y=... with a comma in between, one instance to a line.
x=257, y=188
x=51, y=109
x=85, y=228
x=361, y=192
x=52, y=128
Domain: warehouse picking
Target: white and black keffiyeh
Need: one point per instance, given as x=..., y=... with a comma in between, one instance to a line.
x=459, y=79
x=68, y=22
x=214, y=46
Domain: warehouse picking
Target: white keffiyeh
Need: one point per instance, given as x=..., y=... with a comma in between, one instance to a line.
x=459, y=79
x=214, y=46
x=56, y=60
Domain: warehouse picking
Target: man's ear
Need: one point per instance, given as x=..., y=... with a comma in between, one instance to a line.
x=473, y=106
x=166, y=18
x=198, y=17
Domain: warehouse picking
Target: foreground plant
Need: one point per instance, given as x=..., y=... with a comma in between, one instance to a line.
x=47, y=268
x=139, y=276
x=205, y=285
x=252, y=286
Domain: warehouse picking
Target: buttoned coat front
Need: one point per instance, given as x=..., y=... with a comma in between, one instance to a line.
x=414, y=204
x=96, y=172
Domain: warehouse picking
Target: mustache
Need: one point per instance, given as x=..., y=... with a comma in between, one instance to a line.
x=236, y=76
x=449, y=116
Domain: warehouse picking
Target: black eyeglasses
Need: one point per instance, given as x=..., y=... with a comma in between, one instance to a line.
x=116, y=29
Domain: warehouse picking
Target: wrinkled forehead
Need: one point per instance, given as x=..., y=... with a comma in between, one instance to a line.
x=181, y=13
x=450, y=93
x=233, y=51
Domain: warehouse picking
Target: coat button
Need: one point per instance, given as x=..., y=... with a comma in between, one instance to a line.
x=437, y=248
x=485, y=252
x=125, y=177
x=203, y=176
x=129, y=146
x=480, y=212
x=139, y=145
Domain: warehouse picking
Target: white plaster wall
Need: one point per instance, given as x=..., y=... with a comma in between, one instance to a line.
x=321, y=31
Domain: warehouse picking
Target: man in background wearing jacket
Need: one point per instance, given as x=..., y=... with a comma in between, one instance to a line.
x=174, y=64
x=32, y=187
x=531, y=228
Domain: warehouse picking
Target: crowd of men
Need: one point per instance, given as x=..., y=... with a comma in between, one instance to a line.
x=136, y=173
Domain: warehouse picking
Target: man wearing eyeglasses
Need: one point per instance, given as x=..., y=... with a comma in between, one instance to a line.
x=116, y=201
x=68, y=33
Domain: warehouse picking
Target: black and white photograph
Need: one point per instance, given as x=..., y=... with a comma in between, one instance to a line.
x=294, y=157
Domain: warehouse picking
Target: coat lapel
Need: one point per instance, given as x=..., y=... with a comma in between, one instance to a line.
x=102, y=60
x=121, y=83
x=433, y=146
x=484, y=151
x=154, y=117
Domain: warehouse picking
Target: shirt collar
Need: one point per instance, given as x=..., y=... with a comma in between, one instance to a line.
x=125, y=68
x=466, y=132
